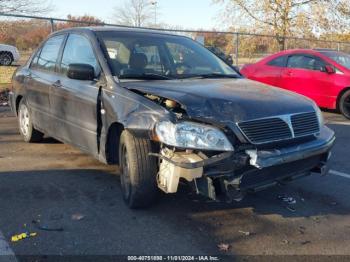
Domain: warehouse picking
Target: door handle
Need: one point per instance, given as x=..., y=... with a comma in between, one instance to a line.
x=57, y=84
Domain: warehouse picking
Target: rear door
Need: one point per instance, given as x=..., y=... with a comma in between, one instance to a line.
x=42, y=74
x=74, y=102
x=305, y=74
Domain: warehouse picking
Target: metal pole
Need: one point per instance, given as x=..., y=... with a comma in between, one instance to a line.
x=52, y=22
x=338, y=46
x=154, y=3
x=237, y=48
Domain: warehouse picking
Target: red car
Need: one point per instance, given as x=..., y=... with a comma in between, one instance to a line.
x=321, y=74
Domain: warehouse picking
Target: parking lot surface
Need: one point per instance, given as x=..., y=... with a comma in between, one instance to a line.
x=74, y=204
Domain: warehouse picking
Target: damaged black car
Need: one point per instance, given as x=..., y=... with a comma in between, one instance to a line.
x=165, y=109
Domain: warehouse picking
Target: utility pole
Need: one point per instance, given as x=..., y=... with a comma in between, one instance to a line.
x=154, y=3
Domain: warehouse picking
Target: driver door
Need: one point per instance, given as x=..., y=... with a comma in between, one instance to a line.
x=74, y=102
x=305, y=74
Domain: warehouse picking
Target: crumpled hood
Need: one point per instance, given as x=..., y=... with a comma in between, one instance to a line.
x=226, y=100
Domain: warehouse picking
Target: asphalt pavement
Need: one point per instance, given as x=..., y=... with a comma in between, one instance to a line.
x=74, y=204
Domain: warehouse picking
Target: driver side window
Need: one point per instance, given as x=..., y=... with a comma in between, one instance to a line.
x=306, y=62
x=78, y=50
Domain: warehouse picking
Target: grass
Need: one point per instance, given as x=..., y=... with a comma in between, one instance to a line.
x=6, y=73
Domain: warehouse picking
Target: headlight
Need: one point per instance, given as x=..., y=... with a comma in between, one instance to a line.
x=319, y=115
x=193, y=136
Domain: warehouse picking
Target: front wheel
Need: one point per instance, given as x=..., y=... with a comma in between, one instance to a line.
x=344, y=104
x=138, y=171
x=26, y=128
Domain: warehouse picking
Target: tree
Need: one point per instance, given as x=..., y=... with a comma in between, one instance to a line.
x=134, y=13
x=287, y=17
x=24, y=6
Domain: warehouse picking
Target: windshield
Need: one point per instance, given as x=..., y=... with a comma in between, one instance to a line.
x=341, y=58
x=134, y=55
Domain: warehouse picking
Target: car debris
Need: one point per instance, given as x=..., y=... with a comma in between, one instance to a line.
x=22, y=236
x=291, y=209
x=77, y=217
x=224, y=247
x=305, y=242
x=285, y=242
x=302, y=230
x=246, y=233
x=287, y=199
x=46, y=228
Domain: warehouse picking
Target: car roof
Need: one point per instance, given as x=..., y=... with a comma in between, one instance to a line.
x=307, y=51
x=115, y=29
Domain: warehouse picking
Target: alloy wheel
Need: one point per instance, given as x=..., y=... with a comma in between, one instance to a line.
x=24, y=120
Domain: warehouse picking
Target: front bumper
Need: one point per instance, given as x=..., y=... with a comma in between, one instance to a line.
x=246, y=170
x=267, y=158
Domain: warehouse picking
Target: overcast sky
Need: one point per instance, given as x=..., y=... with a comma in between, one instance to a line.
x=196, y=14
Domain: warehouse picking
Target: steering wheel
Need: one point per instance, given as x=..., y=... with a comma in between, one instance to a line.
x=184, y=67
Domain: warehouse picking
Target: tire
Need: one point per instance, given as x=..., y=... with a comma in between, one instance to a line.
x=28, y=132
x=138, y=171
x=6, y=59
x=344, y=104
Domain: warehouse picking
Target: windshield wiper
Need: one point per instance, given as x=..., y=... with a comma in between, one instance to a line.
x=216, y=75
x=145, y=76
x=211, y=75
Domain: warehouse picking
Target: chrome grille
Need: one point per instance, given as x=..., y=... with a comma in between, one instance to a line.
x=305, y=124
x=267, y=130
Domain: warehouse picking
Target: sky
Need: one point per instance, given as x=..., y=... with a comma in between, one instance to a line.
x=189, y=14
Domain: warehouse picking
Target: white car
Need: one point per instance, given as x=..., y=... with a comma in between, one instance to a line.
x=8, y=55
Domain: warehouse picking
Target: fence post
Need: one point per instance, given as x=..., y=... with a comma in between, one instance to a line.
x=237, y=48
x=338, y=46
x=52, y=23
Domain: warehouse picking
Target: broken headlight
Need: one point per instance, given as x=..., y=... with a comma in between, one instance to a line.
x=192, y=136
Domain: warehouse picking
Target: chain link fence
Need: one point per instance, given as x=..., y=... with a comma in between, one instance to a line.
x=27, y=32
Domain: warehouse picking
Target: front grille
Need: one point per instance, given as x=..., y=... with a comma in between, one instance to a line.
x=305, y=124
x=266, y=130
x=279, y=128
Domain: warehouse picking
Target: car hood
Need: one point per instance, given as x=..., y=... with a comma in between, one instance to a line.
x=225, y=100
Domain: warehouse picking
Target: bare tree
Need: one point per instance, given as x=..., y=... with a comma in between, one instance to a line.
x=24, y=6
x=286, y=17
x=134, y=13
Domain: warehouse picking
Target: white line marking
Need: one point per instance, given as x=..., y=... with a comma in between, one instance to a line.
x=333, y=172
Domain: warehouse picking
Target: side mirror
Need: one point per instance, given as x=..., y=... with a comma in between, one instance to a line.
x=329, y=69
x=81, y=72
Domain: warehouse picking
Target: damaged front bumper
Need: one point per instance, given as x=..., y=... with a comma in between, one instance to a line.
x=232, y=173
x=267, y=158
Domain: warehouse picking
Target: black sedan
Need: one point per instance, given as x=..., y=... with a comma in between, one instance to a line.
x=166, y=109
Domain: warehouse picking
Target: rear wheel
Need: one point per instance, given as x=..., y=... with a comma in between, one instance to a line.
x=344, y=104
x=6, y=59
x=138, y=171
x=28, y=132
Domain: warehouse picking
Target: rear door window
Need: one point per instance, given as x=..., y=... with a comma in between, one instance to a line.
x=48, y=57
